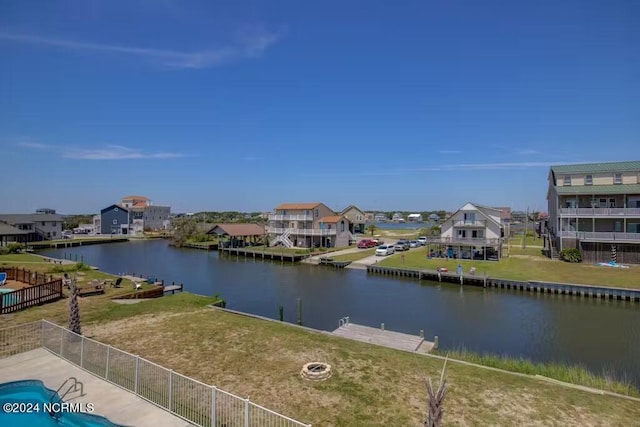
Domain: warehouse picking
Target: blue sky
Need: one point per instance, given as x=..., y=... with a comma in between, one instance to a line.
x=244, y=105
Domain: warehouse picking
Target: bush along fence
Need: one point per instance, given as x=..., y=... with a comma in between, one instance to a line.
x=588, y=291
x=42, y=289
x=200, y=404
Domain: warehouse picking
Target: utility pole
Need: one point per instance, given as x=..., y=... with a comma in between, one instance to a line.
x=526, y=230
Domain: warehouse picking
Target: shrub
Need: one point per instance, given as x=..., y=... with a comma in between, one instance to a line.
x=4, y=250
x=14, y=248
x=571, y=255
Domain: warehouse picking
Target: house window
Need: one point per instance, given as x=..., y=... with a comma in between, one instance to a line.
x=612, y=203
x=43, y=223
x=602, y=203
x=315, y=213
x=115, y=209
x=617, y=178
x=588, y=180
x=567, y=180
x=115, y=222
x=53, y=224
x=470, y=218
x=54, y=234
x=341, y=226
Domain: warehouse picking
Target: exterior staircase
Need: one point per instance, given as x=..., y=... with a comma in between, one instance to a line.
x=283, y=239
x=553, y=252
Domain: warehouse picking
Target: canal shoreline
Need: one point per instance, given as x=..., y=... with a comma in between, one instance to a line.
x=439, y=357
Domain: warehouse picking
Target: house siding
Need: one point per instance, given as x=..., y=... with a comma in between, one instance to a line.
x=112, y=220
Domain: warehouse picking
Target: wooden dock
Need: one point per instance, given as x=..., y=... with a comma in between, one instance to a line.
x=261, y=254
x=173, y=288
x=384, y=338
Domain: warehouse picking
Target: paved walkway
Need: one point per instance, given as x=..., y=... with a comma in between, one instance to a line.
x=316, y=258
x=114, y=403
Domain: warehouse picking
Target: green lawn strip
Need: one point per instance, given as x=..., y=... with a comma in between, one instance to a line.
x=529, y=240
x=355, y=256
x=535, y=252
x=370, y=385
x=17, y=258
x=529, y=268
x=203, y=244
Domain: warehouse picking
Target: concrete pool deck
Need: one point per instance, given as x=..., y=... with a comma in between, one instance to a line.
x=116, y=404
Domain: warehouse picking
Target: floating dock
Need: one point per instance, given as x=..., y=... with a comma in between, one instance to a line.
x=382, y=337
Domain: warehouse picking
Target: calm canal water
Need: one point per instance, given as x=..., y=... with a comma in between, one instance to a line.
x=602, y=335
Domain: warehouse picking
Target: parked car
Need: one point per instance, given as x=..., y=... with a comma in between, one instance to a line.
x=401, y=245
x=422, y=240
x=385, y=250
x=414, y=244
x=378, y=242
x=366, y=243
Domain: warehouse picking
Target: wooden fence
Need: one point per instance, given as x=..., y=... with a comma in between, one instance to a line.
x=25, y=276
x=43, y=289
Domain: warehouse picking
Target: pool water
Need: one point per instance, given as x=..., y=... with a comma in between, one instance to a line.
x=31, y=392
x=8, y=299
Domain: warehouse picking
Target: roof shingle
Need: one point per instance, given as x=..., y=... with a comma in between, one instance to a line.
x=331, y=219
x=630, y=166
x=238, y=230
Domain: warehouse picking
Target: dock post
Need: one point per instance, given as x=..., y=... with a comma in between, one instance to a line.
x=82, y=259
x=281, y=313
x=299, y=311
x=435, y=342
x=461, y=280
x=422, y=333
x=439, y=277
x=485, y=280
x=382, y=326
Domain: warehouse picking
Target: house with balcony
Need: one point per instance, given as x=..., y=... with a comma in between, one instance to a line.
x=414, y=217
x=308, y=225
x=472, y=232
x=595, y=208
x=357, y=218
x=45, y=224
x=398, y=217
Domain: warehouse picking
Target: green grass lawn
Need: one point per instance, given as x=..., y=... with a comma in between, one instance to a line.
x=203, y=244
x=525, y=267
x=355, y=256
x=370, y=385
x=529, y=240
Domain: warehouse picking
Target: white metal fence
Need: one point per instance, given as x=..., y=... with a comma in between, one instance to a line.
x=196, y=402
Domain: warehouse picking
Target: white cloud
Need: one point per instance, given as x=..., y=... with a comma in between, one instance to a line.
x=248, y=46
x=108, y=152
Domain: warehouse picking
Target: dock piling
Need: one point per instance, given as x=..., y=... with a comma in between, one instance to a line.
x=299, y=311
x=382, y=326
x=435, y=343
x=281, y=313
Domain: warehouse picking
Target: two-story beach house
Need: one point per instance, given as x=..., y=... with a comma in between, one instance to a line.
x=472, y=232
x=141, y=215
x=357, y=218
x=596, y=208
x=45, y=224
x=308, y=225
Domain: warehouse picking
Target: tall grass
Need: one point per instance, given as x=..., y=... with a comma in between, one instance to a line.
x=574, y=374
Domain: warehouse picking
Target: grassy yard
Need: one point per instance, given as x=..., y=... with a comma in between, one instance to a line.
x=529, y=240
x=526, y=267
x=355, y=256
x=370, y=386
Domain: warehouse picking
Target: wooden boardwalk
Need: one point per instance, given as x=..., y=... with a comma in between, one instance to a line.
x=391, y=339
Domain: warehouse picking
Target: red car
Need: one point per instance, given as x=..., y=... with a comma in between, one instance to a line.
x=366, y=244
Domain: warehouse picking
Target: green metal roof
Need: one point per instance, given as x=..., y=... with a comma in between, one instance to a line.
x=600, y=189
x=597, y=167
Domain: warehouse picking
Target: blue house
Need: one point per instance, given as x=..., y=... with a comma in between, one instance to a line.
x=114, y=220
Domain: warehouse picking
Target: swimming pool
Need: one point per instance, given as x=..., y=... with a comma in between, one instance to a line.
x=28, y=393
x=8, y=299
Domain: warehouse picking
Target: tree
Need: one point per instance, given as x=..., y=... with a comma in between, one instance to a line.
x=372, y=229
x=74, y=309
x=435, y=405
x=184, y=229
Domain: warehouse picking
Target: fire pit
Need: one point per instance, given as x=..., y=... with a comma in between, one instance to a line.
x=316, y=371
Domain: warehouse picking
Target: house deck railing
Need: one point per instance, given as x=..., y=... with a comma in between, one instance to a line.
x=470, y=241
x=602, y=236
x=600, y=212
x=278, y=217
x=303, y=231
x=468, y=223
x=198, y=403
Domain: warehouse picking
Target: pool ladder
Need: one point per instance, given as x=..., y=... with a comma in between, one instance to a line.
x=74, y=387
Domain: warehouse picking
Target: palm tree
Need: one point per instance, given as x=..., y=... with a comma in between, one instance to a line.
x=435, y=405
x=372, y=229
x=74, y=309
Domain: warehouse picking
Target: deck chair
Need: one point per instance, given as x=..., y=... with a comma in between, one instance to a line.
x=3, y=278
x=118, y=283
